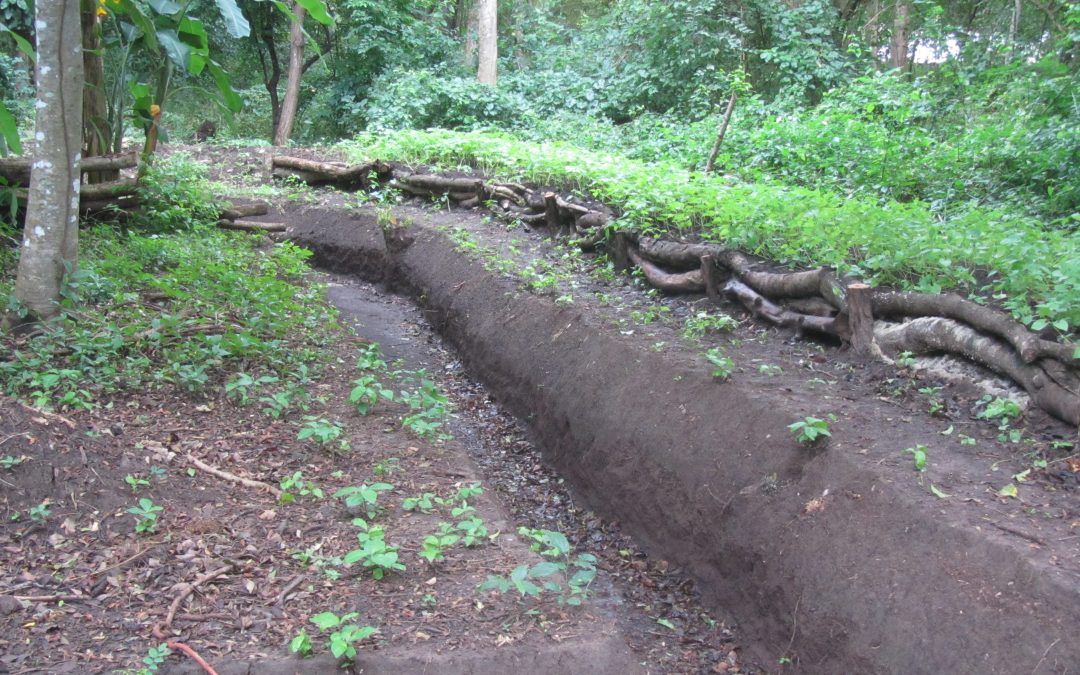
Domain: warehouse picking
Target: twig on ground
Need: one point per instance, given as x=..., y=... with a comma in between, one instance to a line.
x=289, y=588
x=188, y=590
x=233, y=478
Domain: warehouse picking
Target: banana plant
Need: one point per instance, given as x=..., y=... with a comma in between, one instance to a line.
x=171, y=40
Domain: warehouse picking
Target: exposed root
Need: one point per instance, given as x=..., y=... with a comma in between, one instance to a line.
x=181, y=647
x=762, y=308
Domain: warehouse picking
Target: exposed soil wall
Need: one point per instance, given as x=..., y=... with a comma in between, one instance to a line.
x=865, y=579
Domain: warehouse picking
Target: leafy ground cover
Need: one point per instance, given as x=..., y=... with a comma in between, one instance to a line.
x=1031, y=270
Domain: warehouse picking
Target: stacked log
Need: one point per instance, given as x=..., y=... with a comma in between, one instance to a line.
x=816, y=301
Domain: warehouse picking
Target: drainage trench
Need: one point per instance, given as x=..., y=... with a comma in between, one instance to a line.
x=875, y=583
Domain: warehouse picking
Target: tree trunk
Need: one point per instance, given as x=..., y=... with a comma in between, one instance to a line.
x=472, y=29
x=292, y=84
x=96, y=134
x=1014, y=25
x=898, y=53
x=487, y=71
x=51, y=234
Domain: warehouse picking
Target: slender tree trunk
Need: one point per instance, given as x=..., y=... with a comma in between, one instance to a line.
x=472, y=29
x=487, y=71
x=292, y=83
x=898, y=54
x=96, y=134
x=51, y=234
x=1014, y=25
x=721, y=133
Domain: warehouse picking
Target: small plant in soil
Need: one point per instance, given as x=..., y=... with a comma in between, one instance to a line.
x=154, y=659
x=276, y=404
x=810, y=430
x=10, y=461
x=146, y=515
x=371, y=359
x=918, y=455
x=367, y=392
x=363, y=496
x=469, y=491
x=533, y=581
x=341, y=642
x=423, y=503
x=385, y=467
x=436, y=544
x=295, y=486
x=770, y=370
x=722, y=365
x=702, y=323
x=135, y=482
x=322, y=431
x=473, y=532
x=40, y=512
x=374, y=553
x=1003, y=411
x=242, y=387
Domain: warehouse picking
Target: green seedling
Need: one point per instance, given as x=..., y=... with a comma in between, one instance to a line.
x=40, y=512
x=321, y=431
x=146, y=516
x=385, y=467
x=722, y=365
x=10, y=461
x=295, y=485
x=918, y=454
x=241, y=387
x=697, y=326
x=435, y=544
x=423, y=503
x=810, y=430
x=135, y=482
x=374, y=553
x=345, y=635
x=474, y=531
x=363, y=496
x=367, y=392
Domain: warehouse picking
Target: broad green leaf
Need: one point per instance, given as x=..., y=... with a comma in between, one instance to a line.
x=234, y=19
x=166, y=7
x=232, y=100
x=545, y=569
x=175, y=48
x=938, y=493
x=317, y=10
x=9, y=131
x=665, y=623
x=142, y=22
x=193, y=33
x=1009, y=491
x=22, y=43
x=325, y=620
x=557, y=540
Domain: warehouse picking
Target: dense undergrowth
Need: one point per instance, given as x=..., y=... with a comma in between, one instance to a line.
x=993, y=254
x=173, y=303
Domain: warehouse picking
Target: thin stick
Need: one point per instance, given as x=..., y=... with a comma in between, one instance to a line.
x=289, y=588
x=720, y=135
x=233, y=478
x=209, y=576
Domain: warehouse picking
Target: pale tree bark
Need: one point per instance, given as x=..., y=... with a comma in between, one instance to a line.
x=472, y=29
x=898, y=53
x=292, y=83
x=488, y=12
x=51, y=233
x=1014, y=25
